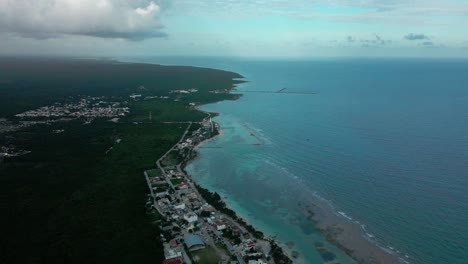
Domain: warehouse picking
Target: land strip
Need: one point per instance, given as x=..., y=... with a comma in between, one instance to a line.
x=188, y=214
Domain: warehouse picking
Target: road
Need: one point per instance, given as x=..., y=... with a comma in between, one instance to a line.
x=205, y=227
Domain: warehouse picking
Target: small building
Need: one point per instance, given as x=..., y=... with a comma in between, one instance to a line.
x=191, y=217
x=180, y=206
x=135, y=96
x=260, y=261
x=220, y=225
x=161, y=194
x=174, y=244
x=173, y=261
x=248, y=244
x=193, y=242
x=183, y=185
x=172, y=254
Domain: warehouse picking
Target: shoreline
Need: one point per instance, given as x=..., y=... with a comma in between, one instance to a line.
x=342, y=232
x=332, y=230
x=238, y=219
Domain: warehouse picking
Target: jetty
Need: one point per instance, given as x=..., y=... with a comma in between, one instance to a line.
x=281, y=91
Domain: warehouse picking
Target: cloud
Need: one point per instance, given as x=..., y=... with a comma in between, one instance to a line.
x=416, y=37
x=126, y=19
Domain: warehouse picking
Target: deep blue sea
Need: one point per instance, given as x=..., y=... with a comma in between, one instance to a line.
x=383, y=141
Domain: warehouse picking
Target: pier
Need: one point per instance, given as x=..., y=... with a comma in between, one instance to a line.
x=281, y=91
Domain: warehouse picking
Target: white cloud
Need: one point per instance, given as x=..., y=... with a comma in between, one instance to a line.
x=152, y=8
x=99, y=18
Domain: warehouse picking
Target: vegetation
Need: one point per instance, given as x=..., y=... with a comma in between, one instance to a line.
x=177, y=181
x=235, y=238
x=154, y=173
x=29, y=83
x=206, y=255
x=164, y=110
x=172, y=159
x=215, y=200
x=278, y=255
x=68, y=201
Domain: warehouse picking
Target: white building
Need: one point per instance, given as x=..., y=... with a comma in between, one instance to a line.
x=260, y=261
x=171, y=253
x=180, y=206
x=220, y=225
x=191, y=217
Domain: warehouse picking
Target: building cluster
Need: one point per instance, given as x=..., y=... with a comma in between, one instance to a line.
x=221, y=91
x=11, y=126
x=191, y=224
x=11, y=151
x=189, y=91
x=89, y=108
x=155, y=97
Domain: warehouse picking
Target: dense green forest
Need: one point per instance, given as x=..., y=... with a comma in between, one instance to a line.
x=26, y=84
x=71, y=200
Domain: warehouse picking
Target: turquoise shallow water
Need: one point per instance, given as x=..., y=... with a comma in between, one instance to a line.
x=385, y=141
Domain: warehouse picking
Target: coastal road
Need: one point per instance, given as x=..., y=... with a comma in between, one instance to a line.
x=155, y=204
x=158, y=162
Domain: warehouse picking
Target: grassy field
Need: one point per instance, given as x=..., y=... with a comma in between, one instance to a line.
x=154, y=173
x=68, y=201
x=177, y=181
x=205, y=256
x=164, y=110
x=172, y=159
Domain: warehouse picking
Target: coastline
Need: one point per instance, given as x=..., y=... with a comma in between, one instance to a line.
x=344, y=233
x=343, y=238
x=276, y=246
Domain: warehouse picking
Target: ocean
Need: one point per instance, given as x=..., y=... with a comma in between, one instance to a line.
x=381, y=143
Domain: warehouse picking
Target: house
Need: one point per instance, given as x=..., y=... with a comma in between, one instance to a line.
x=190, y=227
x=174, y=244
x=191, y=217
x=161, y=194
x=183, y=185
x=260, y=261
x=172, y=254
x=220, y=225
x=173, y=261
x=180, y=206
x=135, y=96
x=248, y=244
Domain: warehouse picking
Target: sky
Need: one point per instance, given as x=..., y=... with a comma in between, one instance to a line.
x=239, y=28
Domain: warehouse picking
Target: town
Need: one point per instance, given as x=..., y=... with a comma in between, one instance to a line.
x=89, y=108
x=193, y=230
x=86, y=108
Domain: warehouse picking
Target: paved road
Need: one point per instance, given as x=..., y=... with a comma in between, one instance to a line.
x=155, y=204
x=228, y=245
x=158, y=162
